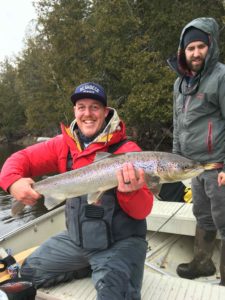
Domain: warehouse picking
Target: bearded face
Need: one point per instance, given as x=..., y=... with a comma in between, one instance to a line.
x=195, y=54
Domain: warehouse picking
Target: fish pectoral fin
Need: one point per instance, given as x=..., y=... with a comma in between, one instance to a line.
x=94, y=197
x=51, y=202
x=153, y=183
x=155, y=189
x=152, y=179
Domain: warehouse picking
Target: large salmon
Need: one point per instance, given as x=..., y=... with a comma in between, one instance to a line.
x=96, y=178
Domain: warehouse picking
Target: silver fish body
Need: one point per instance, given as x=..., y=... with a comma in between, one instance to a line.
x=96, y=178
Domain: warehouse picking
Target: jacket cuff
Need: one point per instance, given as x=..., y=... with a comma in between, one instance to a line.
x=5, y=184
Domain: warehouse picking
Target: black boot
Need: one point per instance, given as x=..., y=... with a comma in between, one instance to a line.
x=222, y=263
x=202, y=264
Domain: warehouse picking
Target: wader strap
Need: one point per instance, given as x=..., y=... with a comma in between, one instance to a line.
x=111, y=149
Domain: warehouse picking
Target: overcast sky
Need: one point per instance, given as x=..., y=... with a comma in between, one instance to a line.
x=15, y=16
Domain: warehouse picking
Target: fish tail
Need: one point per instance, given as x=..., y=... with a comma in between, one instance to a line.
x=17, y=207
x=211, y=166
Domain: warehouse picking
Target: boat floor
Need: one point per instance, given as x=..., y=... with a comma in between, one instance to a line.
x=167, y=251
x=160, y=279
x=155, y=287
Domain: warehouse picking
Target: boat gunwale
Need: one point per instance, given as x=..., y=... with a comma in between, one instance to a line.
x=31, y=223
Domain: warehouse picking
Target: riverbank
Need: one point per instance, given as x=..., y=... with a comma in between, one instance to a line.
x=24, y=141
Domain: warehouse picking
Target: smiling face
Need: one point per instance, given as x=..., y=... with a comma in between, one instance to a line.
x=195, y=54
x=90, y=115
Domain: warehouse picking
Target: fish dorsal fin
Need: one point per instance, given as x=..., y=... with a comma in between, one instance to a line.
x=102, y=155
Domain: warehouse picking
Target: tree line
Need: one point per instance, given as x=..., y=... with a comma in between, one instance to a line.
x=121, y=44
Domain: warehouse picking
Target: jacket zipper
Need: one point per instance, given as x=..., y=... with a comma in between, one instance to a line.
x=209, y=137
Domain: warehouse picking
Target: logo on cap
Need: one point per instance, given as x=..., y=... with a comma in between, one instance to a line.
x=89, y=88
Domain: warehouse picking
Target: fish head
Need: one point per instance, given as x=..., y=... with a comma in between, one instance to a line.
x=179, y=169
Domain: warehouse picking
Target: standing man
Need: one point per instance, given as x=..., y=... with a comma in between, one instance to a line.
x=108, y=238
x=199, y=134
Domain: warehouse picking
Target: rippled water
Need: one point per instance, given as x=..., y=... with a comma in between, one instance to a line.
x=7, y=223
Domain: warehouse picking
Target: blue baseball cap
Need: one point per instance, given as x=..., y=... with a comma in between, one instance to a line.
x=89, y=90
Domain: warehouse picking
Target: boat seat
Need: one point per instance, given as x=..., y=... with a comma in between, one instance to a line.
x=183, y=221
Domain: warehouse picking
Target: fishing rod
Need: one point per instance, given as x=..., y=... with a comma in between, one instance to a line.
x=173, y=214
x=170, y=240
x=162, y=225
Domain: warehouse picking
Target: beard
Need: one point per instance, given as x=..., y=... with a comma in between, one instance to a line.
x=195, y=67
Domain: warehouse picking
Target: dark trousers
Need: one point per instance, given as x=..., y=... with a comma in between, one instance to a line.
x=209, y=202
x=117, y=272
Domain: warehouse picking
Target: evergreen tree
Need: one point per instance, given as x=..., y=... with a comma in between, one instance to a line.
x=121, y=44
x=12, y=118
x=38, y=89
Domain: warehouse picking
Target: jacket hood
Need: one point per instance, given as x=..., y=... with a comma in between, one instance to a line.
x=210, y=27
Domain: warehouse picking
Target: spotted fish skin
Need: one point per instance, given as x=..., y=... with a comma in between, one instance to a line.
x=100, y=176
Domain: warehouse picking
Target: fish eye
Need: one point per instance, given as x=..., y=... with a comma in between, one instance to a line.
x=186, y=168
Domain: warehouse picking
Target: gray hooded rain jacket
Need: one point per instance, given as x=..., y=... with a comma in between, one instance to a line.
x=199, y=114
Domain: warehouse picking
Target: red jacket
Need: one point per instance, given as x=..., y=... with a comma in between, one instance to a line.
x=51, y=157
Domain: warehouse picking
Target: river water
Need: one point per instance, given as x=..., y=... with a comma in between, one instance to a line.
x=7, y=223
